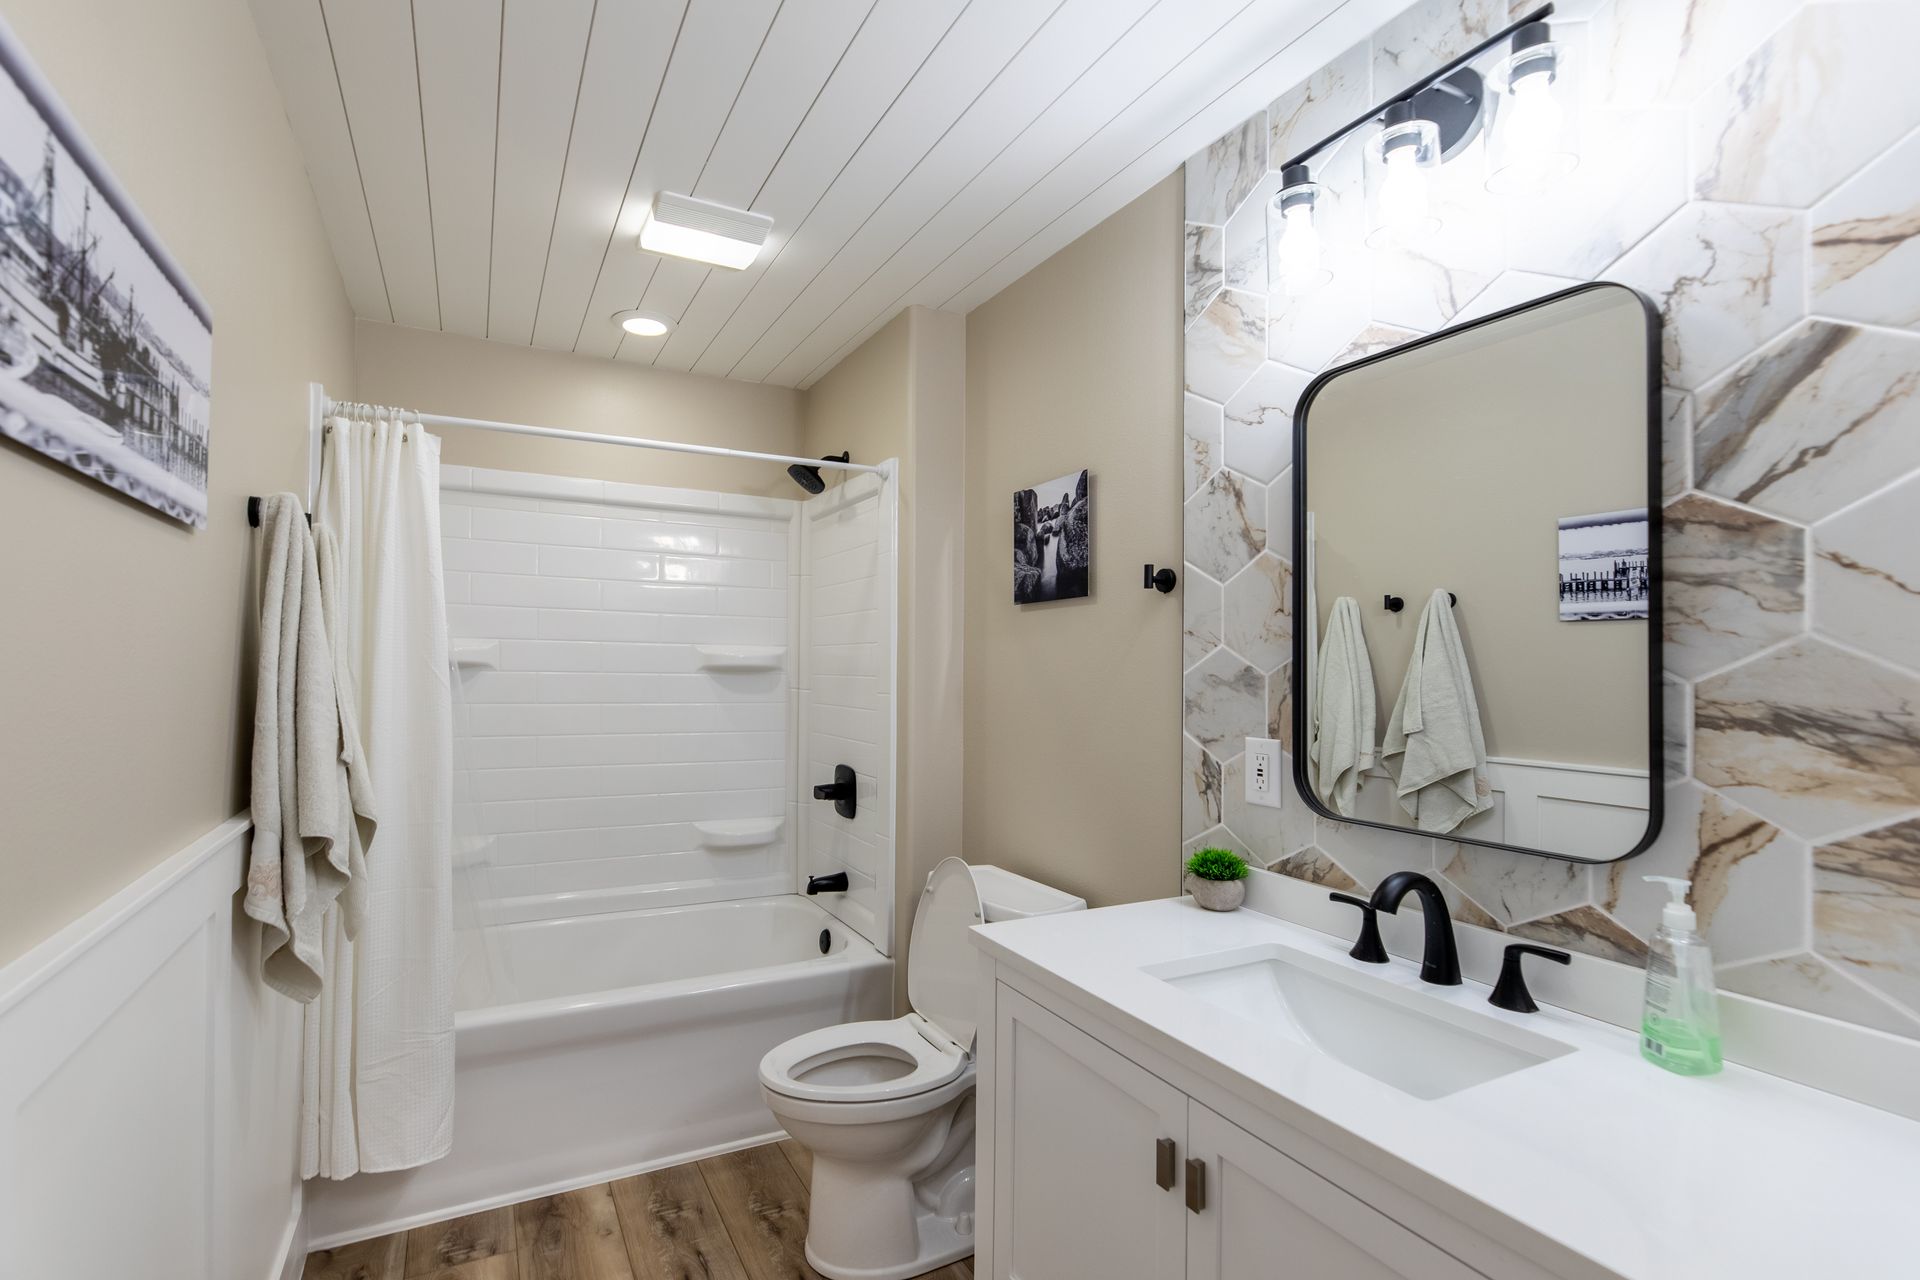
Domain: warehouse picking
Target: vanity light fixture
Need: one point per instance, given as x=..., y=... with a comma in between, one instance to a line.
x=1295, y=262
x=1433, y=121
x=642, y=324
x=683, y=227
x=1531, y=146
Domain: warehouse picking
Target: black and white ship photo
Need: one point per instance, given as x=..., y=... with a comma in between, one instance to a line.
x=106, y=350
x=1052, y=546
x=1603, y=566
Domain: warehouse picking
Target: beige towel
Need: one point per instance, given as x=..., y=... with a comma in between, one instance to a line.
x=357, y=816
x=300, y=858
x=1434, y=747
x=1341, y=724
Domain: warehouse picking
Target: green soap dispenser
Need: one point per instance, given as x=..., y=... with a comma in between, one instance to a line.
x=1680, y=1026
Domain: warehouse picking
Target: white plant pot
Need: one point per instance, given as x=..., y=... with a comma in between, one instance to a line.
x=1217, y=895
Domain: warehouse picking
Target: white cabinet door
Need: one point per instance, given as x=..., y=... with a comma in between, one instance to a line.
x=1266, y=1217
x=1078, y=1160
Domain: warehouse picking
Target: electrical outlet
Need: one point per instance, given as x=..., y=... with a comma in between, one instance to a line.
x=1263, y=773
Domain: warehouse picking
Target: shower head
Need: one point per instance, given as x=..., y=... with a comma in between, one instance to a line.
x=809, y=478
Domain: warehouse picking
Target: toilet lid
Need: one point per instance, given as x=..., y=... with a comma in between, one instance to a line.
x=940, y=968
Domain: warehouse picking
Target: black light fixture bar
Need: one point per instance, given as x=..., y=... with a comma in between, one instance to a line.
x=1408, y=94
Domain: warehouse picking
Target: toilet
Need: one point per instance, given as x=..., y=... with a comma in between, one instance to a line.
x=886, y=1108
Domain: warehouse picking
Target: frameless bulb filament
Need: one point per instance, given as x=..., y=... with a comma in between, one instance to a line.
x=1298, y=253
x=1403, y=193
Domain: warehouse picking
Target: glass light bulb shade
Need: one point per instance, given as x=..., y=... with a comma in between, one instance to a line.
x=1400, y=163
x=1294, y=260
x=1532, y=140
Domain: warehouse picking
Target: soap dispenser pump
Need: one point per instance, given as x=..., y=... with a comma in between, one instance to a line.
x=1680, y=1025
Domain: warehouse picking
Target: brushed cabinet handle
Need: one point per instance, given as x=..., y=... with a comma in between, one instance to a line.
x=1196, y=1185
x=1163, y=1172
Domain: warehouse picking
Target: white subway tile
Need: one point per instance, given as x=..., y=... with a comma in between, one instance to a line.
x=659, y=597
x=660, y=535
x=607, y=564
x=536, y=590
x=718, y=571
x=491, y=622
x=542, y=527
x=489, y=557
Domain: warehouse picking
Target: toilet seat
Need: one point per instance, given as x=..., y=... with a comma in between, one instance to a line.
x=862, y=1062
x=879, y=1061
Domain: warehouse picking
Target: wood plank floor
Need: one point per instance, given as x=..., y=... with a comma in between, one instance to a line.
x=740, y=1216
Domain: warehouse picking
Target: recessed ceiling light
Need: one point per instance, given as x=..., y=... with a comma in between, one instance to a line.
x=642, y=324
x=682, y=227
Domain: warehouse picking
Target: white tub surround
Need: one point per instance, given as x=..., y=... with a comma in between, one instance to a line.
x=1591, y=1163
x=150, y=1087
x=630, y=1045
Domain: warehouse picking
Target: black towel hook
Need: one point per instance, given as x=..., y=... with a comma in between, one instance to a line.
x=1394, y=604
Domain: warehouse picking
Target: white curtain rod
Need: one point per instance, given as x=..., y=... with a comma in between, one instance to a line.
x=631, y=442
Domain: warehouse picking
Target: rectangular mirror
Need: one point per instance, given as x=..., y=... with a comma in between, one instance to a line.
x=1476, y=648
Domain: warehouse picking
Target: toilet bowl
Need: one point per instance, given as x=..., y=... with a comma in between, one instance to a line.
x=886, y=1107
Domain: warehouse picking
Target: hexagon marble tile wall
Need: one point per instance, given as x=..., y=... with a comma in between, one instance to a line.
x=1782, y=247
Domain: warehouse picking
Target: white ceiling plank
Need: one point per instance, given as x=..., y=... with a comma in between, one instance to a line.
x=295, y=37
x=459, y=53
x=717, y=47
x=1079, y=36
x=884, y=56
x=1246, y=65
x=373, y=53
x=811, y=39
x=987, y=34
x=543, y=56
x=626, y=60
x=1145, y=53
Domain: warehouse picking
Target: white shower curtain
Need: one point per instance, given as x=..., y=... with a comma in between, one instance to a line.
x=379, y=1042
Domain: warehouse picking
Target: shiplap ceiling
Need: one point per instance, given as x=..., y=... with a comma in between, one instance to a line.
x=483, y=166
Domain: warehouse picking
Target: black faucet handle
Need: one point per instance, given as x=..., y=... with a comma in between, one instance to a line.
x=1368, y=946
x=1511, y=991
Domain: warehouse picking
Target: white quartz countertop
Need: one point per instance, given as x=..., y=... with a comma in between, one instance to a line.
x=1649, y=1175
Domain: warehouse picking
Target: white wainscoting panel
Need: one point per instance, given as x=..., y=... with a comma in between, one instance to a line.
x=150, y=1086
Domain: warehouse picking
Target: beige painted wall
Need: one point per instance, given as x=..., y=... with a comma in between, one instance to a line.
x=1493, y=436
x=472, y=378
x=127, y=637
x=902, y=394
x=1073, y=708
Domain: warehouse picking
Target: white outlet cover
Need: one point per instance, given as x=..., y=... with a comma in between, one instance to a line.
x=1262, y=768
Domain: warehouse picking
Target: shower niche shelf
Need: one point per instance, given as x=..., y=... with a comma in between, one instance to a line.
x=739, y=833
x=740, y=657
x=476, y=655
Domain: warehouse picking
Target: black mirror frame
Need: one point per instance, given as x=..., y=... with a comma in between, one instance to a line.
x=1297, y=677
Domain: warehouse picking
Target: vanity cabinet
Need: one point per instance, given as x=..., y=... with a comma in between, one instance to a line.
x=1101, y=1168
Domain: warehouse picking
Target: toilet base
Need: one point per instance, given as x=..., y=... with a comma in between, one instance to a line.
x=941, y=1242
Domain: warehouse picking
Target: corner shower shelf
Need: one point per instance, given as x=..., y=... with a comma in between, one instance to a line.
x=740, y=657
x=482, y=655
x=739, y=833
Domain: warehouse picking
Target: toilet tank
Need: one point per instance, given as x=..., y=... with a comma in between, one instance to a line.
x=1006, y=896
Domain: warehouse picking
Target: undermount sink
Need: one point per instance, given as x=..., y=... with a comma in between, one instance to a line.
x=1406, y=1039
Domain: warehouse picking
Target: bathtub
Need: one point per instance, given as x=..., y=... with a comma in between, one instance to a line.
x=629, y=1041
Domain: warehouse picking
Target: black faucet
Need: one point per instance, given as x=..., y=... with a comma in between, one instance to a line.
x=843, y=791
x=1440, y=961
x=1511, y=991
x=835, y=882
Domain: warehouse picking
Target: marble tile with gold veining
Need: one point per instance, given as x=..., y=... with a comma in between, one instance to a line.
x=1866, y=575
x=1226, y=524
x=1225, y=704
x=1810, y=737
x=1813, y=422
x=1735, y=582
x=1259, y=613
x=1219, y=178
x=1826, y=93
x=1725, y=278
x=1226, y=344
x=1258, y=424
x=1866, y=243
x=1750, y=879
x=1866, y=909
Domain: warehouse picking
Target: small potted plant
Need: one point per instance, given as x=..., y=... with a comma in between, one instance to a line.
x=1217, y=879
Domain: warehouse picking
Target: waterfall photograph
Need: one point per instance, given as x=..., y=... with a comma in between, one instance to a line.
x=1052, y=551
